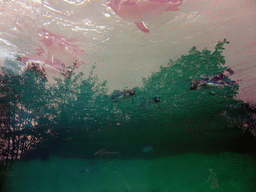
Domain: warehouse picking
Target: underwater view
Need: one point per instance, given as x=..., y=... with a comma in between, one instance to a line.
x=127, y=96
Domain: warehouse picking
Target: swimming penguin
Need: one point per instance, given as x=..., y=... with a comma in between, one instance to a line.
x=148, y=101
x=214, y=80
x=120, y=95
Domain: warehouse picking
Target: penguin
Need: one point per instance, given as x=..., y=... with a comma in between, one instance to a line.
x=120, y=95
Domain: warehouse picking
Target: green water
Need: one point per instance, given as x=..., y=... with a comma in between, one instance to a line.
x=186, y=172
x=196, y=136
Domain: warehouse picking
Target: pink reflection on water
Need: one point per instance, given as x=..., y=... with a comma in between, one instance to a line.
x=56, y=54
x=58, y=46
x=55, y=49
x=139, y=10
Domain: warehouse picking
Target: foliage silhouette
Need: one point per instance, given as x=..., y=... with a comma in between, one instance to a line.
x=34, y=111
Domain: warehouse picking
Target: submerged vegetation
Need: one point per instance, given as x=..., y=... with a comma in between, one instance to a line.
x=32, y=111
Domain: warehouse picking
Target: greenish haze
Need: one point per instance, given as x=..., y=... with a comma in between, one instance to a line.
x=191, y=132
x=78, y=107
